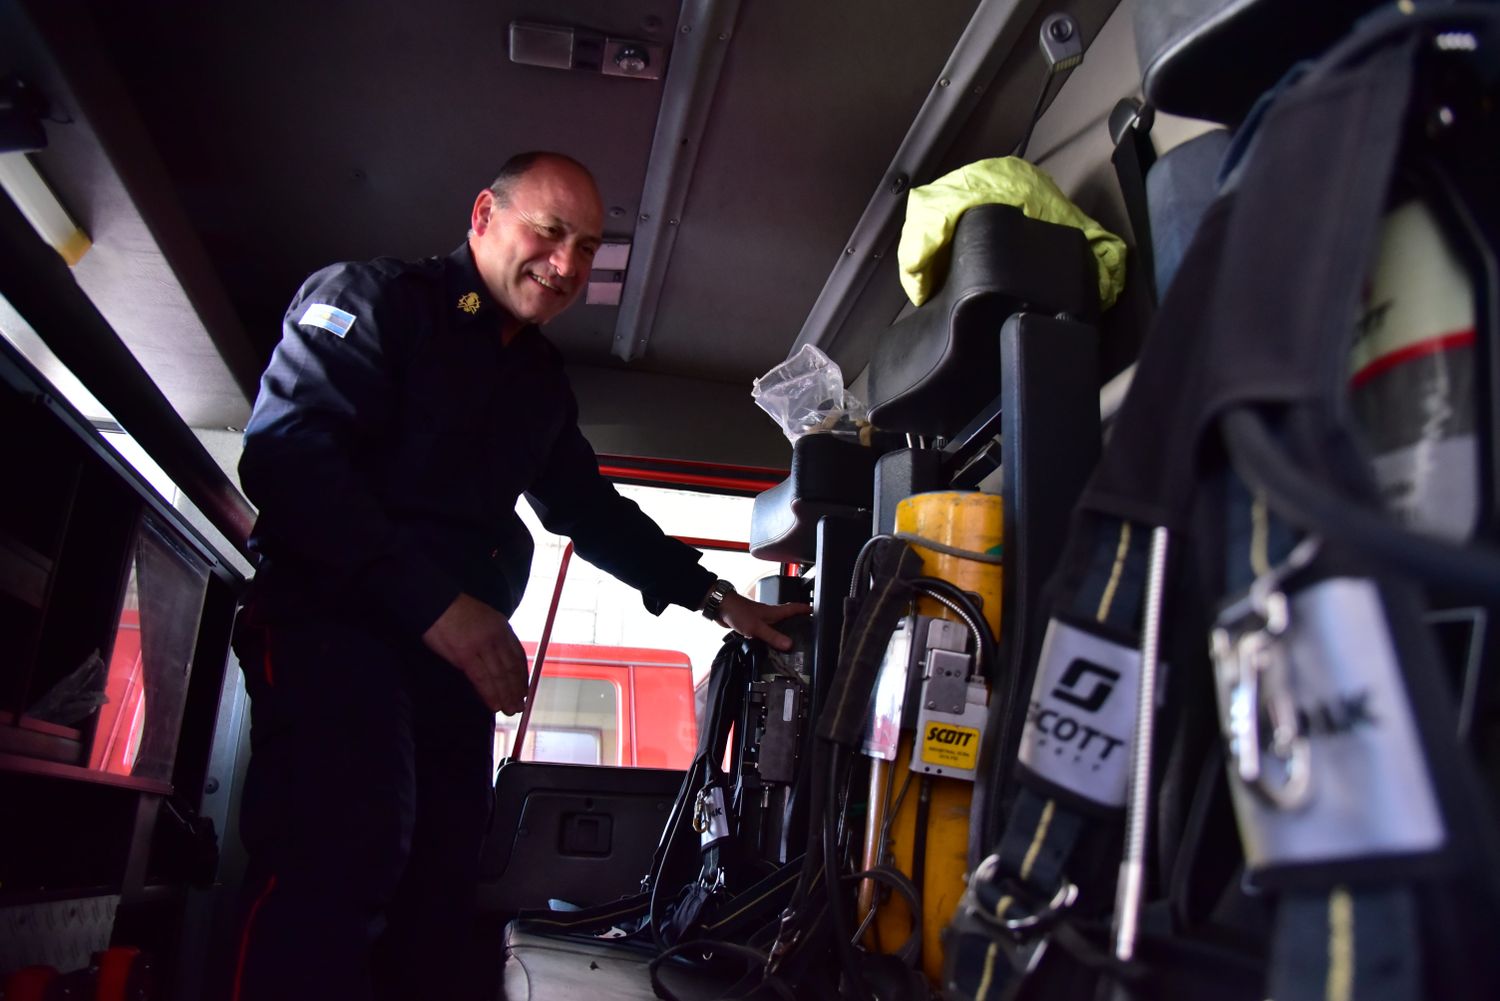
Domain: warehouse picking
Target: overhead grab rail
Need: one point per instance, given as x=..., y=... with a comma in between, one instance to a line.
x=703, y=34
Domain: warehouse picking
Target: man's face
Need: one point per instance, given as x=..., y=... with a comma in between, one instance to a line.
x=535, y=252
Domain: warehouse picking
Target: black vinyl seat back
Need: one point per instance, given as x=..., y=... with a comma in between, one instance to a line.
x=1186, y=46
x=830, y=475
x=932, y=371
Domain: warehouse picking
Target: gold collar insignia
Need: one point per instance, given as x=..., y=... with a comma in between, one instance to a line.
x=469, y=303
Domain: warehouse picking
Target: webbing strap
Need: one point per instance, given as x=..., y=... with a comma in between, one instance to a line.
x=598, y=918
x=1115, y=586
x=1328, y=944
x=1345, y=945
x=754, y=906
x=751, y=908
x=1033, y=853
x=1133, y=156
x=721, y=676
x=1258, y=316
x=1103, y=578
x=866, y=636
x=1038, y=842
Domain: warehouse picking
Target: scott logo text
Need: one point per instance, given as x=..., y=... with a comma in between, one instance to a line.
x=939, y=734
x=1071, y=732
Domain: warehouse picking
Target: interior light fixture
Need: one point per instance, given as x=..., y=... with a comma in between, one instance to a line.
x=19, y=178
x=608, y=279
x=565, y=47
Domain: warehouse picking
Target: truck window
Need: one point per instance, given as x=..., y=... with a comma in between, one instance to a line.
x=617, y=682
x=576, y=721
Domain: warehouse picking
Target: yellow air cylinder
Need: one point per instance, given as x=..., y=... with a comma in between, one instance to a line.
x=960, y=522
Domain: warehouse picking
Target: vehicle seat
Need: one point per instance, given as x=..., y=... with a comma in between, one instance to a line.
x=932, y=371
x=1184, y=47
x=1180, y=186
x=830, y=475
x=577, y=968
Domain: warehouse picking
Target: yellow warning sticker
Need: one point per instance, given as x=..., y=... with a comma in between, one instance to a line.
x=949, y=746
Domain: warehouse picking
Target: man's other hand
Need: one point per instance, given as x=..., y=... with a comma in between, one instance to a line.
x=752, y=619
x=478, y=640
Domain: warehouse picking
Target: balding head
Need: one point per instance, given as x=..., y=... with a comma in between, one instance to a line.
x=519, y=165
x=534, y=233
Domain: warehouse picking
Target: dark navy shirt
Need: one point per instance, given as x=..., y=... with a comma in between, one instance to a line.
x=391, y=439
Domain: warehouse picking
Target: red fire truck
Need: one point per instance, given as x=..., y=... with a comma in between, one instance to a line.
x=607, y=705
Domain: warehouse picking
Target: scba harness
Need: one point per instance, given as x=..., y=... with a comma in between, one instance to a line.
x=1316, y=827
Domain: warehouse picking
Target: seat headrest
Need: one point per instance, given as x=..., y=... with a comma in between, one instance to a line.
x=931, y=372
x=1211, y=59
x=830, y=475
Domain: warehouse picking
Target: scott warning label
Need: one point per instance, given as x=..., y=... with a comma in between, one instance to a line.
x=950, y=746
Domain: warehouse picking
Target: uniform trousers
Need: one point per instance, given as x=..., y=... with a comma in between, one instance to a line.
x=365, y=807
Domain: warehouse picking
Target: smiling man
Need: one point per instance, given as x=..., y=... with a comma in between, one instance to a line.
x=407, y=408
x=535, y=232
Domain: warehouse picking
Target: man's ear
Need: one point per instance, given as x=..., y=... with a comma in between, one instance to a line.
x=484, y=209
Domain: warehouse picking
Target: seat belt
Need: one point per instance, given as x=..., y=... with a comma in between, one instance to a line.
x=1130, y=129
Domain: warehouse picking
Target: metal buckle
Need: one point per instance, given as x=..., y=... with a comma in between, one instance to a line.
x=1065, y=897
x=709, y=818
x=700, y=812
x=786, y=937
x=1254, y=676
x=718, y=880
x=1021, y=939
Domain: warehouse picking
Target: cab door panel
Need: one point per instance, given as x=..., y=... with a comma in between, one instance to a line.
x=577, y=833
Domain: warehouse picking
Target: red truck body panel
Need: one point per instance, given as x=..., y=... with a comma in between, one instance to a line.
x=649, y=722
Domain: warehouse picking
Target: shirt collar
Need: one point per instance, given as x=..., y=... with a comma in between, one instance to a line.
x=468, y=297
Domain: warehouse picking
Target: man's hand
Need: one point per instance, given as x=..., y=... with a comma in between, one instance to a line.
x=752, y=619
x=478, y=640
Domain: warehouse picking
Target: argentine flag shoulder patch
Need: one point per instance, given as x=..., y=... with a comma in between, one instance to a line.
x=332, y=319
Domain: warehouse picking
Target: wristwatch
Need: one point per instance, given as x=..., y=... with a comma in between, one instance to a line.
x=717, y=592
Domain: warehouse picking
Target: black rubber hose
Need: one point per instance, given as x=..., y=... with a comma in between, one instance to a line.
x=843, y=933
x=919, y=839
x=1473, y=570
x=817, y=805
x=998, y=737
x=962, y=604
x=754, y=957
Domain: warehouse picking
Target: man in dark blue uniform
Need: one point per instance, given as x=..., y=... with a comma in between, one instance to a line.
x=406, y=409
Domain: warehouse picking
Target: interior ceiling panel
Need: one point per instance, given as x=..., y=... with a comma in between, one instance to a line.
x=994, y=129
x=296, y=135
x=814, y=100
x=302, y=134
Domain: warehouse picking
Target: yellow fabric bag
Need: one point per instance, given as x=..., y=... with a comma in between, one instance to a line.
x=932, y=212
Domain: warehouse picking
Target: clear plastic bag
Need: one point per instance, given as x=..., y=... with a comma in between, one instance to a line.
x=806, y=394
